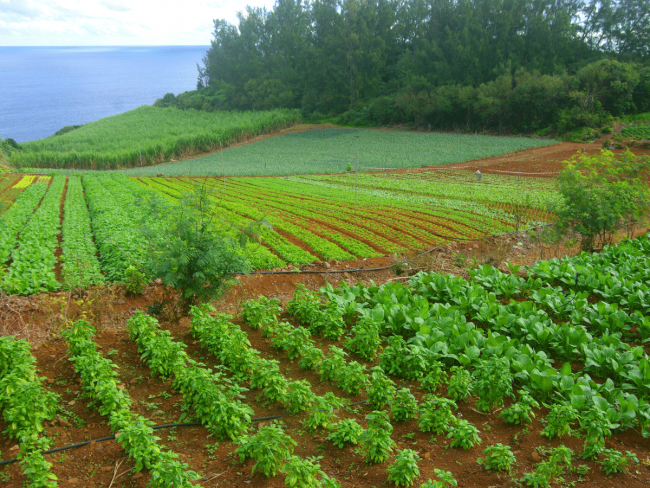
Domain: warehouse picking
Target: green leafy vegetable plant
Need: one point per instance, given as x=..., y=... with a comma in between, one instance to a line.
x=345, y=431
x=375, y=442
x=460, y=384
x=434, y=377
x=446, y=478
x=436, y=415
x=616, y=462
x=498, y=458
x=381, y=389
x=492, y=380
x=521, y=411
x=559, y=420
x=463, y=434
x=404, y=406
x=261, y=312
x=269, y=447
x=405, y=468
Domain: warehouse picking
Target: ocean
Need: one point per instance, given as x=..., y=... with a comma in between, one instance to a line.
x=43, y=89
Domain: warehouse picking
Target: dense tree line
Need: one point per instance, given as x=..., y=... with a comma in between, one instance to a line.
x=463, y=64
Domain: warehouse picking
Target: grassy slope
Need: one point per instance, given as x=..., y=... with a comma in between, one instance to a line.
x=151, y=133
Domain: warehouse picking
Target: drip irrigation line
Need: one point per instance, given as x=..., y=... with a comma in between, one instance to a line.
x=309, y=271
x=170, y=426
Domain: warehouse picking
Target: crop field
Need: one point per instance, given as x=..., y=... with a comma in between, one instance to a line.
x=147, y=135
x=641, y=132
x=536, y=377
x=333, y=150
x=79, y=231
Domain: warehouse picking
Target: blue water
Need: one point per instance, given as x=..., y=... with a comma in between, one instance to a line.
x=43, y=89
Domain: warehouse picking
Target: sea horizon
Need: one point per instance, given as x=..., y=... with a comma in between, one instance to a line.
x=46, y=88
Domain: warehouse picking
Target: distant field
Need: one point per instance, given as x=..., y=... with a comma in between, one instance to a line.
x=332, y=150
x=148, y=135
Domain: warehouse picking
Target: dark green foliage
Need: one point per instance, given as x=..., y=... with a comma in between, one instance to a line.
x=66, y=129
x=452, y=65
x=602, y=194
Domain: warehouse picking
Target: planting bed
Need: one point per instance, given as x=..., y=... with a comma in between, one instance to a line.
x=590, y=354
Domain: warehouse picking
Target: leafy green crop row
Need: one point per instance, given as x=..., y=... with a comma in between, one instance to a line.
x=80, y=264
x=33, y=261
x=114, y=224
x=99, y=379
x=25, y=406
x=259, y=256
x=14, y=219
x=215, y=405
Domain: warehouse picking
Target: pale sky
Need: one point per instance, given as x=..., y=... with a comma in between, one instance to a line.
x=115, y=22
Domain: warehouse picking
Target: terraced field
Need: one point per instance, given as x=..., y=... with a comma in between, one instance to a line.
x=79, y=231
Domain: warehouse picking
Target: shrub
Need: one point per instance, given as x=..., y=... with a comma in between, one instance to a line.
x=135, y=280
x=602, y=194
x=188, y=253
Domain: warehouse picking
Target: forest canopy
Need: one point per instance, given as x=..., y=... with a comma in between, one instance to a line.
x=463, y=64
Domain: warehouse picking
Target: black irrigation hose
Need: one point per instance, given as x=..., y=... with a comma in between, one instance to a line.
x=169, y=426
x=388, y=267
